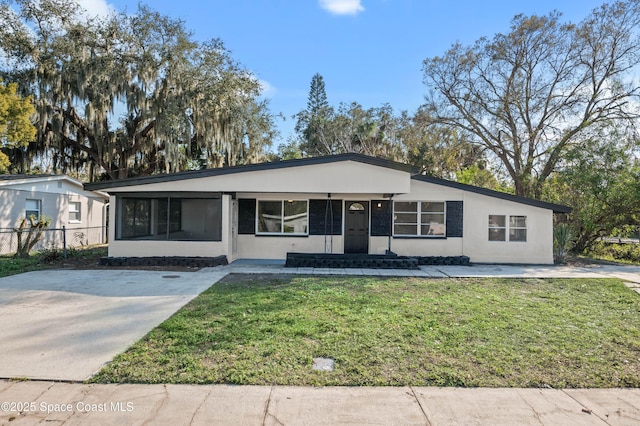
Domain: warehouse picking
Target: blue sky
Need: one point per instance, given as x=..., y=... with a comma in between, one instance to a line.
x=368, y=51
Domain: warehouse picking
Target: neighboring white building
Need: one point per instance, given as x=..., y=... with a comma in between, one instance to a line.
x=59, y=197
x=347, y=203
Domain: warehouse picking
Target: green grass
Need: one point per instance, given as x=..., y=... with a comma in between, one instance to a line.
x=11, y=265
x=466, y=332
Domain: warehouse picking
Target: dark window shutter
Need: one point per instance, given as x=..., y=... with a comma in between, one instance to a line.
x=380, y=218
x=454, y=219
x=246, y=216
x=320, y=219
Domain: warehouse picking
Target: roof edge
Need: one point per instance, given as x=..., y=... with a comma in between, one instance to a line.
x=557, y=208
x=38, y=178
x=365, y=159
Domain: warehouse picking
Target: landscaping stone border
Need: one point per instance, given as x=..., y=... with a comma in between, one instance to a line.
x=369, y=261
x=193, y=262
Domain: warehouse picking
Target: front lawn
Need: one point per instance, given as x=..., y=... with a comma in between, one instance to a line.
x=562, y=333
x=81, y=257
x=11, y=265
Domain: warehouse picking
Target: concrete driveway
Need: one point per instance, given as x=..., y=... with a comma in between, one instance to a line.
x=66, y=324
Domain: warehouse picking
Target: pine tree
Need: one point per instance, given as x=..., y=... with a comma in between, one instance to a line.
x=317, y=104
x=312, y=121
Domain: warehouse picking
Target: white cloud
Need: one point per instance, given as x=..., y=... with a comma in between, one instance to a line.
x=96, y=7
x=267, y=88
x=342, y=7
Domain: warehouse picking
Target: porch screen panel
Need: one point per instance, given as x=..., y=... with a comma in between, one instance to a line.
x=135, y=219
x=168, y=218
x=201, y=220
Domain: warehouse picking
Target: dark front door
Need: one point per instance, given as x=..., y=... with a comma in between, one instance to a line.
x=356, y=227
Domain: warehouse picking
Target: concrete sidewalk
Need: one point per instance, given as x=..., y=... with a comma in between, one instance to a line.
x=625, y=272
x=30, y=403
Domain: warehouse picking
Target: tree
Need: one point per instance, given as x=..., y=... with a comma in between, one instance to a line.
x=601, y=182
x=16, y=129
x=185, y=103
x=478, y=175
x=288, y=151
x=29, y=232
x=439, y=150
x=533, y=94
x=312, y=122
x=379, y=131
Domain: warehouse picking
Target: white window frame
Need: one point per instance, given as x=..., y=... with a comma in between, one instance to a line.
x=520, y=228
x=419, y=213
x=39, y=209
x=281, y=232
x=507, y=228
x=497, y=227
x=78, y=211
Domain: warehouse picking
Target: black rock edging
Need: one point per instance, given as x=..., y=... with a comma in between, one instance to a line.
x=375, y=261
x=369, y=261
x=192, y=262
x=443, y=260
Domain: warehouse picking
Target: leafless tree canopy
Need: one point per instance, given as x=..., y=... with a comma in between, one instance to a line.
x=529, y=95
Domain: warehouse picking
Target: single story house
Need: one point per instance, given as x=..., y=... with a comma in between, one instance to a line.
x=59, y=197
x=348, y=203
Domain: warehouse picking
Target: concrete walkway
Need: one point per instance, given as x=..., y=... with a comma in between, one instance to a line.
x=64, y=325
x=31, y=403
x=624, y=272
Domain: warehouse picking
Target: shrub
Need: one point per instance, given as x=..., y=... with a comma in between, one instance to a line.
x=563, y=237
x=616, y=251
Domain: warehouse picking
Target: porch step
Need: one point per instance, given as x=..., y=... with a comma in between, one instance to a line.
x=369, y=261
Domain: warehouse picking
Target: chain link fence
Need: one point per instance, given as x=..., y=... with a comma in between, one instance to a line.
x=54, y=238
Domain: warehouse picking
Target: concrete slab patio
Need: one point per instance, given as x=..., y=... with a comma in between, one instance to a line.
x=75, y=404
x=65, y=325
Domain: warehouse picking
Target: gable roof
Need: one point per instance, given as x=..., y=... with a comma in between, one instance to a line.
x=360, y=158
x=557, y=208
x=8, y=180
x=374, y=161
x=9, y=177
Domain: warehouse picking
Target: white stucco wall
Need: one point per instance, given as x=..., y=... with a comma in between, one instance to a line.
x=538, y=249
x=271, y=247
x=55, y=197
x=345, y=177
